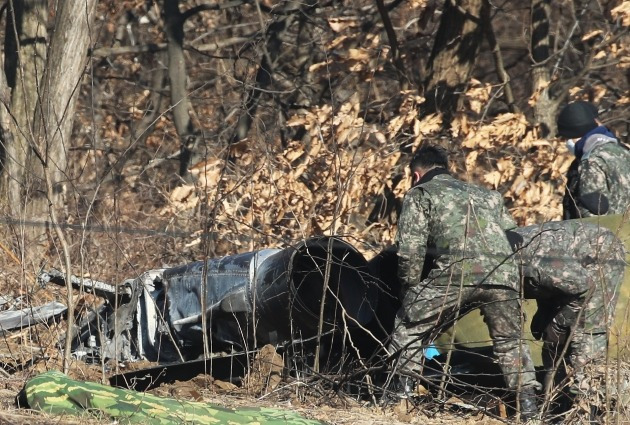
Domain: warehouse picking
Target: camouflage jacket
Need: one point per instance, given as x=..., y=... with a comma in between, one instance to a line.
x=554, y=257
x=450, y=229
x=603, y=167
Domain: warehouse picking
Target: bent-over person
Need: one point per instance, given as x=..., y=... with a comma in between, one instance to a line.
x=453, y=255
x=573, y=270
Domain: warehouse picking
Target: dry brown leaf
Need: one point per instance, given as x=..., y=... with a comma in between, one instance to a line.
x=395, y=125
x=208, y=172
x=340, y=24
x=297, y=120
x=518, y=186
x=182, y=198
x=471, y=160
x=358, y=54
x=591, y=35
x=317, y=66
x=180, y=193
x=337, y=42
x=622, y=12
x=493, y=178
x=380, y=137
x=293, y=151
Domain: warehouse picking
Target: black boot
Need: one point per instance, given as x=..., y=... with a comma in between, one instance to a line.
x=400, y=388
x=528, y=404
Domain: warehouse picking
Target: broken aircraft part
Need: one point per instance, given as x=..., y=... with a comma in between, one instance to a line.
x=101, y=289
x=319, y=293
x=251, y=299
x=23, y=318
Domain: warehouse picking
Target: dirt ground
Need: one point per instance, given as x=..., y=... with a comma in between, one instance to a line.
x=340, y=411
x=263, y=386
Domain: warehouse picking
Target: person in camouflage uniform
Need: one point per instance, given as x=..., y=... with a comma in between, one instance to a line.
x=601, y=165
x=453, y=255
x=573, y=270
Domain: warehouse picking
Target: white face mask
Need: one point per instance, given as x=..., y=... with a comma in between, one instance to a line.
x=571, y=146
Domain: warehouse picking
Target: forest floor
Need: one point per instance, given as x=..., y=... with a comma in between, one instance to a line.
x=340, y=410
x=255, y=390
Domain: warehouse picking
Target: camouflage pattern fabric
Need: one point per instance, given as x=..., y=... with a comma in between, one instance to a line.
x=573, y=267
x=54, y=393
x=470, y=333
x=454, y=255
x=605, y=169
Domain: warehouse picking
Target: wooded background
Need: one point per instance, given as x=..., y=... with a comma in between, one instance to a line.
x=141, y=134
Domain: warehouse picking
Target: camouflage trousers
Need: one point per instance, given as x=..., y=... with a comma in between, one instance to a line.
x=431, y=307
x=594, y=299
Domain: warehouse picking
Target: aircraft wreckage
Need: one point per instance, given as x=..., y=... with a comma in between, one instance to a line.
x=320, y=292
x=320, y=297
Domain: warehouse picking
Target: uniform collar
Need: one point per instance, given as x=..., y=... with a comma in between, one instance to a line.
x=594, y=138
x=428, y=176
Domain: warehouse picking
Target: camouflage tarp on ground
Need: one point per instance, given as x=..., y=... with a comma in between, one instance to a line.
x=56, y=394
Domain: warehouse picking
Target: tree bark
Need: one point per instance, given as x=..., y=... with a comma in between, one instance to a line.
x=6, y=132
x=55, y=109
x=54, y=113
x=181, y=106
x=393, y=42
x=544, y=107
x=263, y=79
x=453, y=55
x=25, y=61
x=272, y=49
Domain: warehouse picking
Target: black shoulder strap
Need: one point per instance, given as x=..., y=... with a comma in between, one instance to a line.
x=572, y=192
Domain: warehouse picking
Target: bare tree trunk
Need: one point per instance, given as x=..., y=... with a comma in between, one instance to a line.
x=453, y=56
x=264, y=76
x=53, y=120
x=25, y=52
x=393, y=42
x=6, y=133
x=544, y=108
x=181, y=106
x=263, y=80
x=55, y=110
